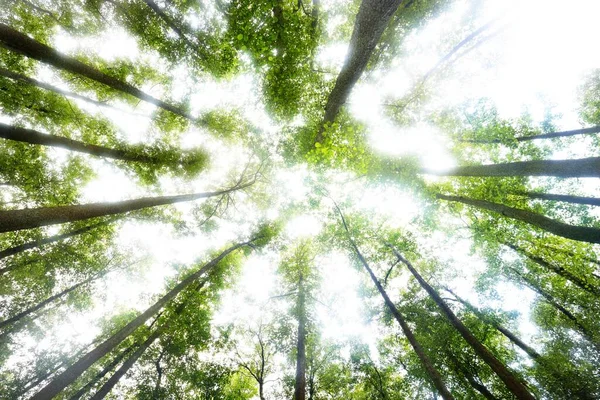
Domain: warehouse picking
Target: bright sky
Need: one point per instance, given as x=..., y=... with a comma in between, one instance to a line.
x=540, y=57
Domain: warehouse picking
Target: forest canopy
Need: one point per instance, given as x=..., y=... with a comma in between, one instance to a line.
x=324, y=199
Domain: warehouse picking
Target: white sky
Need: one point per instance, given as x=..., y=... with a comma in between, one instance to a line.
x=543, y=53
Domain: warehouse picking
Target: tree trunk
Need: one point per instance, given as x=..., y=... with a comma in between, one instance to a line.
x=372, y=19
x=585, y=332
x=109, y=367
x=41, y=242
x=112, y=381
x=513, y=384
x=34, y=82
x=579, y=168
x=31, y=136
x=14, y=220
x=583, y=131
x=459, y=367
x=300, y=385
x=592, y=201
x=580, y=233
x=427, y=364
x=74, y=371
x=23, y=44
x=582, y=284
x=49, y=300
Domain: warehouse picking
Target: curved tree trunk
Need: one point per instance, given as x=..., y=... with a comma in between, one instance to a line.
x=577, y=281
x=21, y=43
x=14, y=220
x=432, y=372
x=591, y=201
x=515, y=386
x=583, y=131
x=74, y=371
x=372, y=19
x=579, y=168
x=300, y=384
x=41, y=242
x=580, y=233
x=49, y=300
x=31, y=136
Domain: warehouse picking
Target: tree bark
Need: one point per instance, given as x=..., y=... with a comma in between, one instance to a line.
x=513, y=384
x=580, y=233
x=300, y=384
x=372, y=19
x=23, y=44
x=432, y=372
x=583, y=131
x=34, y=244
x=591, y=201
x=14, y=220
x=31, y=136
x=74, y=371
x=469, y=377
x=578, y=168
x=112, y=381
x=49, y=300
x=582, y=284
x=109, y=367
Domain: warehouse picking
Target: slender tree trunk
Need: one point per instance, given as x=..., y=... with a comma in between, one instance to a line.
x=580, y=233
x=372, y=19
x=592, y=201
x=582, y=284
x=14, y=220
x=112, y=381
x=459, y=367
x=510, y=380
x=427, y=364
x=74, y=371
x=31, y=136
x=579, y=168
x=51, y=239
x=583, y=131
x=49, y=300
x=34, y=82
x=585, y=332
x=109, y=367
x=300, y=385
x=21, y=43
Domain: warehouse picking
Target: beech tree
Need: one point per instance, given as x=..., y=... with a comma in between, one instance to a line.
x=298, y=199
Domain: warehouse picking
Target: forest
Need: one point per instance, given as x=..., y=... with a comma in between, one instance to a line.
x=299, y=199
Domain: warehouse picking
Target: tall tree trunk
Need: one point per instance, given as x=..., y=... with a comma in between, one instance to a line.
x=432, y=372
x=515, y=386
x=579, y=168
x=581, y=283
x=583, y=131
x=582, y=329
x=74, y=371
x=49, y=300
x=34, y=82
x=592, y=201
x=31, y=136
x=112, y=381
x=14, y=220
x=109, y=367
x=459, y=367
x=300, y=385
x=551, y=367
x=372, y=19
x=580, y=233
x=21, y=43
x=51, y=239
